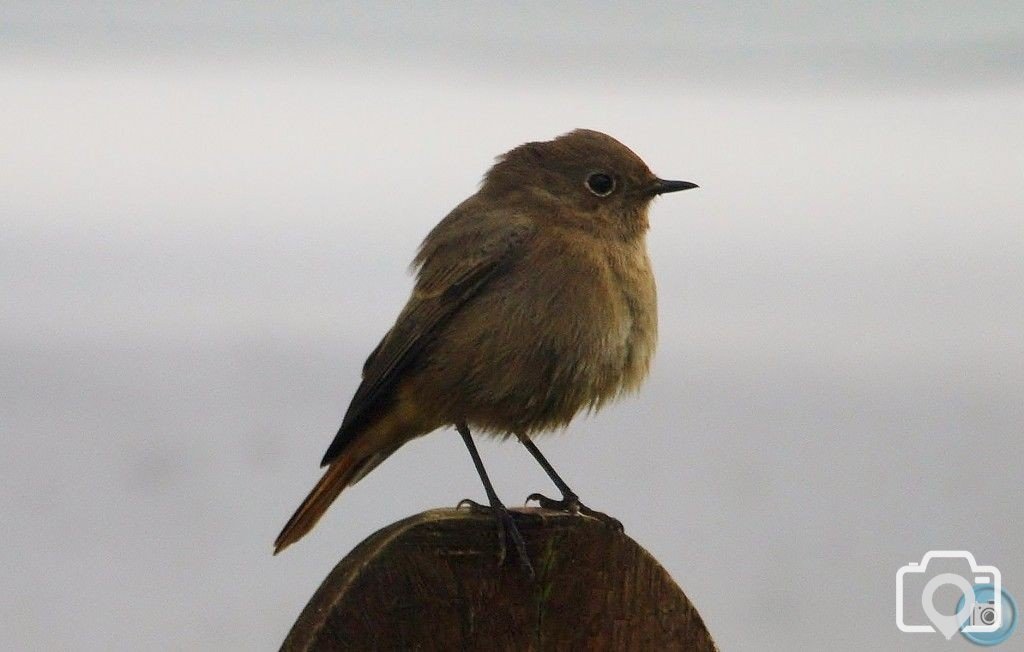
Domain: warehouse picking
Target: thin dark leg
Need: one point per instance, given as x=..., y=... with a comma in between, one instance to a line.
x=506, y=525
x=570, y=502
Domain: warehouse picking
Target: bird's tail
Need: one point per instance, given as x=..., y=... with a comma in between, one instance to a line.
x=340, y=474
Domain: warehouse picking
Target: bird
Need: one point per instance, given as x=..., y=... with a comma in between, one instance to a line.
x=534, y=300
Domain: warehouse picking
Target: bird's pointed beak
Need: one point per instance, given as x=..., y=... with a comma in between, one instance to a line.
x=661, y=186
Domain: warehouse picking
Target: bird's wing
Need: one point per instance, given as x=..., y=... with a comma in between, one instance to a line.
x=446, y=281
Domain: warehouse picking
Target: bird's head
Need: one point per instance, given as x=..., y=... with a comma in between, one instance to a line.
x=584, y=178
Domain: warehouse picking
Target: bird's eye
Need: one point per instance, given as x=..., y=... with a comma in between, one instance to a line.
x=600, y=184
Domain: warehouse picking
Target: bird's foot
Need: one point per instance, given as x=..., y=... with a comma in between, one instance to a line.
x=571, y=504
x=507, y=531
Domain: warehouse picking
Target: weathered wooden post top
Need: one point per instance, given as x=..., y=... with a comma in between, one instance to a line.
x=432, y=582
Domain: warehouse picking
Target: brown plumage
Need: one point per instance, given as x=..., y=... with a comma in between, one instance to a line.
x=534, y=299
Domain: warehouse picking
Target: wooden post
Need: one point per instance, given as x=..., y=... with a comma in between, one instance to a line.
x=431, y=582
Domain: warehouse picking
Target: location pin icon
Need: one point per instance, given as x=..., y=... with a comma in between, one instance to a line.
x=948, y=625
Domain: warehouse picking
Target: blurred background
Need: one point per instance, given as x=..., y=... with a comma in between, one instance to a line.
x=207, y=210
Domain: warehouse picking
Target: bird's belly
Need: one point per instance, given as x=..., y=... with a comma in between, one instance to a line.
x=622, y=359
x=540, y=354
x=605, y=351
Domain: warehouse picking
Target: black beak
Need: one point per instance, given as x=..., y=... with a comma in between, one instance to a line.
x=661, y=186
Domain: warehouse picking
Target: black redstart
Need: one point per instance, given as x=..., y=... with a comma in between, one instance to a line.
x=534, y=299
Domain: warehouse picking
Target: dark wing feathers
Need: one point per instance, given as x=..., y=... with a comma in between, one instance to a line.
x=445, y=283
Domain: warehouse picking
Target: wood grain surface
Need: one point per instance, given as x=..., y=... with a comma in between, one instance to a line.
x=432, y=582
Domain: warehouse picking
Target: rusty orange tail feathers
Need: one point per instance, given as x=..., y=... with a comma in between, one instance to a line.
x=339, y=475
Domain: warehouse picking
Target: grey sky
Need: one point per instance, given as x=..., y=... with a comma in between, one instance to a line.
x=772, y=45
x=207, y=212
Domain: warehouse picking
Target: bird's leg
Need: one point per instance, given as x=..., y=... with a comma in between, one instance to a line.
x=506, y=525
x=570, y=502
